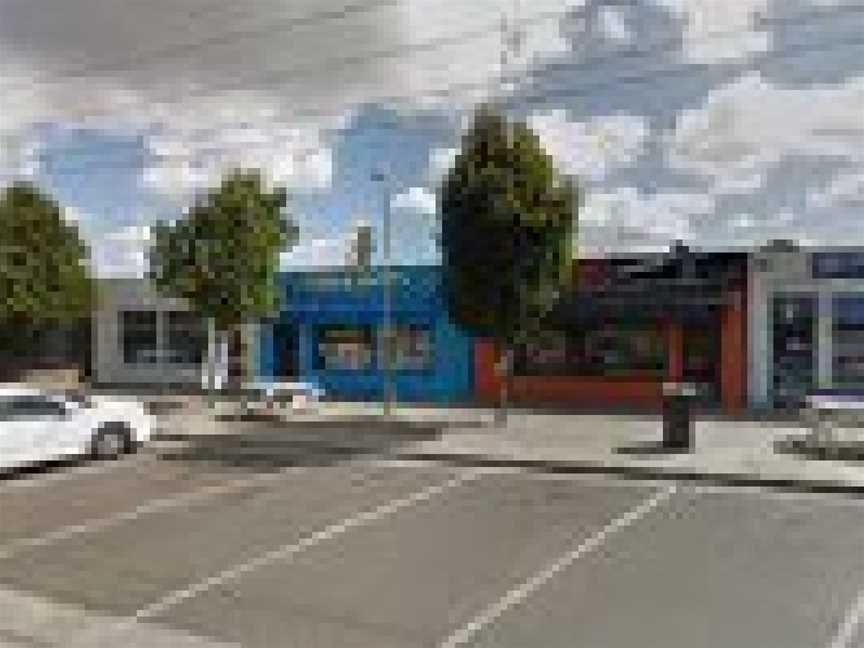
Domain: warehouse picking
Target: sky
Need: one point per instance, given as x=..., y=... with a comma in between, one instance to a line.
x=720, y=124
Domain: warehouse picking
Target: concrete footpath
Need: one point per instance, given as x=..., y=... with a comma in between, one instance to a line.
x=744, y=452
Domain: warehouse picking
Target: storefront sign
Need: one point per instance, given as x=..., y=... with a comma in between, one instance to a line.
x=838, y=265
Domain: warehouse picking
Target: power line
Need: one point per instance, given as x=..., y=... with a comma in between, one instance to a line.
x=179, y=49
x=665, y=46
x=626, y=79
x=635, y=52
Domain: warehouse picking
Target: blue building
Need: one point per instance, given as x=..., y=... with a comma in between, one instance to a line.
x=331, y=330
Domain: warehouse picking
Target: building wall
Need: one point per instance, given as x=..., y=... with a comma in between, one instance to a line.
x=113, y=297
x=635, y=389
x=314, y=299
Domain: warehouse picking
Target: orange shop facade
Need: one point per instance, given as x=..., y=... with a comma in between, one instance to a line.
x=629, y=326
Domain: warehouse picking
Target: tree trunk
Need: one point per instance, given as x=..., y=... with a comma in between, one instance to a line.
x=214, y=370
x=221, y=367
x=208, y=367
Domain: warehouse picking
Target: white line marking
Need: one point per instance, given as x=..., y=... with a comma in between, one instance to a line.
x=289, y=551
x=851, y=623
x=149, y=507
x=467, y=632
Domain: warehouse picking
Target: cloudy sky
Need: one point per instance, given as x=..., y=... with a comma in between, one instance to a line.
x=715, y=122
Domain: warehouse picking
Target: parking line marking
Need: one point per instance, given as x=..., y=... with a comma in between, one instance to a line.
x=289, y=551
x=851, y=623
x=157, y=505
x=467, y=632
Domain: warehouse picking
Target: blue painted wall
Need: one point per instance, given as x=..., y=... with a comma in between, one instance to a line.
x=314, y=299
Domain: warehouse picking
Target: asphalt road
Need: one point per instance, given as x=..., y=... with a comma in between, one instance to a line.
x=373, y=553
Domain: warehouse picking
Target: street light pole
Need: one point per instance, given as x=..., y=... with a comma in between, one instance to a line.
x=388, y=298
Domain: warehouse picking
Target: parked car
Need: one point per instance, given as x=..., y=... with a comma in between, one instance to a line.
x=40, y=425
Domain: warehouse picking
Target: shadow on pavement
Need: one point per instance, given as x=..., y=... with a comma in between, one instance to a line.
x=819, y=450
x=650, y=448
x=264, y=444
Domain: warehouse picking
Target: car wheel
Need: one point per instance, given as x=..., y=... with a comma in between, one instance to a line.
x=111, y=441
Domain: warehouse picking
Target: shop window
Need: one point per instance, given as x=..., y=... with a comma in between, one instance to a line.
x=412, y=348
x=187, y=337
x=606, y=352
x=346, y=348
x=546, y=354
x=617, y=350
x=848, y=341
x=138, y=330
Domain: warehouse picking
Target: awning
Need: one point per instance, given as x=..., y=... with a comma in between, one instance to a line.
x=687, y=307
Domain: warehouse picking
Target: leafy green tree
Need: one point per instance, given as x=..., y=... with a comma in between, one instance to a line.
x=223, y=257
x=508, y=219
x=44, y=276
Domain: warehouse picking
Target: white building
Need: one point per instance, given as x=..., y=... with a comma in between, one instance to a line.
x=806, y=322
x=143, y=338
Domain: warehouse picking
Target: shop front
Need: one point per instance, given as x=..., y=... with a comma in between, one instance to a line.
x=631, y=326
x=333, y=330
x=806, y=323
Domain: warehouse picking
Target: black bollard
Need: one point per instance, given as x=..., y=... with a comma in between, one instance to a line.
x=677, y=423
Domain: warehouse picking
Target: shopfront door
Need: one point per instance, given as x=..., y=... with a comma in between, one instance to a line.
x=285, y=345
x=794, y=348
x=702, y=360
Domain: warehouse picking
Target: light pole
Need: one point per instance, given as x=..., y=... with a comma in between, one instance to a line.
x=381, y=178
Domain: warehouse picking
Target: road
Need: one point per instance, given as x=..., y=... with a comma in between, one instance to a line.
x=371, y=552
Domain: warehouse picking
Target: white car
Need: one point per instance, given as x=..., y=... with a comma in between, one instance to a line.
x=38, y=425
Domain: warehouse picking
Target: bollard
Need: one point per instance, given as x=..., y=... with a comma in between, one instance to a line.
x=677, y=423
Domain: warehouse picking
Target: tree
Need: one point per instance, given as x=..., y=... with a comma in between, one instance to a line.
x=223, y=257
x=44, y=277
x=507, y=225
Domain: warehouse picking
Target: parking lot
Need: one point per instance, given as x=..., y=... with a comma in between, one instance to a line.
x=320, y=551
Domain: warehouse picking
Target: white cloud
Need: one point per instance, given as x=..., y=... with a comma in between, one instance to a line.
x=845, y=190
x=122, y=253
x=20, y=156
x=191, y=157
x=613, y=25
x=628, y=220
x=440, y=162
x=746, y=127
x=590, y=149
x=317, y=253
x=416, y=200
x=719, y=30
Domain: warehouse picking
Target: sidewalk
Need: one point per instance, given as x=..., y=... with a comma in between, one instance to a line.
x=743, y=452
x=730, y=452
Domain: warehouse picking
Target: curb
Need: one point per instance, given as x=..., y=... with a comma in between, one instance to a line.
x=638, y=472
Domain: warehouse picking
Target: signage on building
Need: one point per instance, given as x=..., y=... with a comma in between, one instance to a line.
x=837, y=265
x=350, y=281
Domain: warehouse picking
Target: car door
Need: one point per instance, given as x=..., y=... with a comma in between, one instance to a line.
x=36, y=428
x=14, y=447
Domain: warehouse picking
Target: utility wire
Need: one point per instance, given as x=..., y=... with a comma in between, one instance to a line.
x=570, y=93
x=636, y=52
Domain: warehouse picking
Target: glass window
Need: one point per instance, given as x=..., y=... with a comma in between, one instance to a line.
x=412, y=347
x=29, y=406
x=622, y=349
x=848, y=341
x=548, y=354
x=604, y=352
x=138, y=330
x=346, y=348
x=187, y=337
